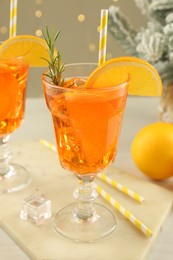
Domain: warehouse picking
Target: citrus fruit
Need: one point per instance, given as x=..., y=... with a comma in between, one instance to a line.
x=152, y=150
x=143, y=79
x=32, y=47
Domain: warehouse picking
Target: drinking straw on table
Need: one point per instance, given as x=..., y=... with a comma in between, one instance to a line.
x=121, y=187
x=13, y=18
x=126, y=213
x=103, y=36
x=48, y=145
x=103, y=177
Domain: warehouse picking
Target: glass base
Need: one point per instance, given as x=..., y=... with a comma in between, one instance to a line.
x=16, y=179
x=103, y=223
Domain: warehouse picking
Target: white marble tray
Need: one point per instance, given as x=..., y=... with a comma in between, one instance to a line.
x=41, y=242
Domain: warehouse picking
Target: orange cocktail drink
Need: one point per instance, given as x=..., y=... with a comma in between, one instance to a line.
x=13, y=78
x=13, y=81
x=87, y=123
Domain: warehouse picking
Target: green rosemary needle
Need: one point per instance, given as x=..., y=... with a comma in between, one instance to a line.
x=55, y=65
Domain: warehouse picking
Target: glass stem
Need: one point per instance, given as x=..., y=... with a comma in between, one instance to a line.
x=85, y=195
x=5, y=155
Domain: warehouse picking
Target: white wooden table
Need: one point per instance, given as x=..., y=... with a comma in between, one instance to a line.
x=140, y=111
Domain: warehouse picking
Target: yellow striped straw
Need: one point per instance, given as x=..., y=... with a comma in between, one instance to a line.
x=103, y=36
x=121, y=188
x=104, y=178
x=48, y=145
x=13, y=18
x=126, y=213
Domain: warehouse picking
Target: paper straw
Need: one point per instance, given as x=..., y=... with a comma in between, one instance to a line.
x=13, y=18
x=48, y=145
x=104, y=178
x=103, y=36
x=126, y=213
x=121, y=188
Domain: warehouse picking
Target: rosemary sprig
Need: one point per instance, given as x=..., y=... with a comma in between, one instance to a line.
x=55, y=65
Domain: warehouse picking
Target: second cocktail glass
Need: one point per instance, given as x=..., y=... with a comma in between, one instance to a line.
x=13, y=81
x=87, y=125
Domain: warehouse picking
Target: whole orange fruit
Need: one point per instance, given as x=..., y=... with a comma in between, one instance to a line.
x=152, y=150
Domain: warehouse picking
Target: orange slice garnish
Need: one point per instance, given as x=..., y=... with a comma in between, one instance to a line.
x=144, y=78
x=33, y=47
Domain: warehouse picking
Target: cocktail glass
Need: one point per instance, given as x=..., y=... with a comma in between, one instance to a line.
x=87, y=125
x=13, y=81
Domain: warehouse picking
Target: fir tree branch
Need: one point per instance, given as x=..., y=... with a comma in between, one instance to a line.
x=121, y=29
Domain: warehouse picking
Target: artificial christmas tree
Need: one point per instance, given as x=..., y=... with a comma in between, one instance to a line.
x=153, y=43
